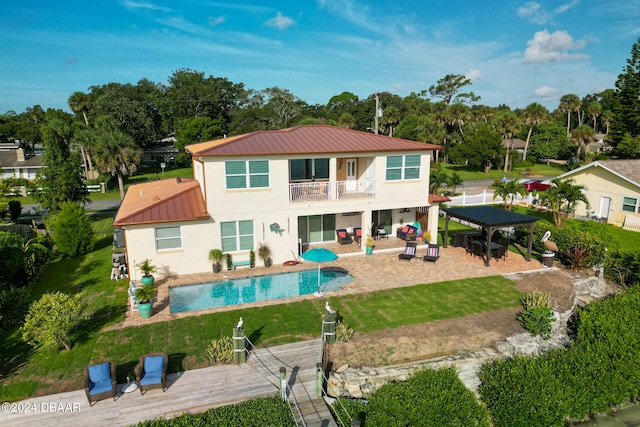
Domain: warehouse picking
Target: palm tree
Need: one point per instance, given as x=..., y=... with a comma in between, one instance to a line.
x=391, y=117
x=563, y=196
x=346, y=120
x=582, y=135
x=568, y=104
x=594, y=109
x=80, y=102
x=115, y=152
x=437, y=178
x=454, y=181
x=607, y=118
x=509, y=190
x=534, y=114
x=508, y=124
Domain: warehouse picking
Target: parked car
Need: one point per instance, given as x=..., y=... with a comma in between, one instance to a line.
x=536, y=185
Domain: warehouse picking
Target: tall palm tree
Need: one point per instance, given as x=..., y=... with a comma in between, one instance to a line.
x=391, y=117
x=80, y=102
x=534, y=114
x=508, y=125
x=570, y=103
x=115, y=152
x=607, y=118
x=594, y=109
x=454, y=181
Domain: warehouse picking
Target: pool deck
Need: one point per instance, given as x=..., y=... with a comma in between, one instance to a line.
x=382, y=270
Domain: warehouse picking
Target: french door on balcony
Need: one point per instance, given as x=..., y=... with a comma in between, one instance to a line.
x=352, y=178
x=317, y=228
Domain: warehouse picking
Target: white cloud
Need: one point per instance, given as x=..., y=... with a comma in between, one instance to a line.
x=473, y=75
x=546, y=47
x=547, y=93
x=130, y=4
x=215, y=21
x=535, y=12
x=280, y=21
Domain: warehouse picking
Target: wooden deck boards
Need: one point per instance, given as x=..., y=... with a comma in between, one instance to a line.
x=190, y=391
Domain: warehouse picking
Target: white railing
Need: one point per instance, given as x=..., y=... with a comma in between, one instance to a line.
x=486, y=198
x=309, y=191
x=361, y=189
x=321, y=191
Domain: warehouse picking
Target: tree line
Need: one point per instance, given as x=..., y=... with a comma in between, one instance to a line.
x=112, y=123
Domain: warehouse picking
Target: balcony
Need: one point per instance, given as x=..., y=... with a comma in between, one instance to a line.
x=323, y=191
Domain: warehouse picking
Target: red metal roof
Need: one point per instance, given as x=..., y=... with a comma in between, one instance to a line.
x=436, y=198
x=310, y=139
x=166, y=200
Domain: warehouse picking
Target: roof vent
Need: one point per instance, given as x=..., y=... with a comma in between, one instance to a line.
x=178, y=180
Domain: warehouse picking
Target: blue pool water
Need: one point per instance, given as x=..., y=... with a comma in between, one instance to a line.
x=251, y=289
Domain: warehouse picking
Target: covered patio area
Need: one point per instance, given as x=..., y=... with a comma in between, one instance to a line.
x=490, y=219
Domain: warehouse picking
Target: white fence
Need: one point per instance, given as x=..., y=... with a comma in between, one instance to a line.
x=631, y=223
x=486, y=198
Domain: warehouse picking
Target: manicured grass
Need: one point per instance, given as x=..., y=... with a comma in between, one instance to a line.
x=469, y=173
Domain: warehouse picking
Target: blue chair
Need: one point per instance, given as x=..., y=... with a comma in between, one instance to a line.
x=151, y=371
x=100, y=381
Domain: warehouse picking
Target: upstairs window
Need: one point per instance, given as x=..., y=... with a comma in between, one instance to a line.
x=308, y=169
x=247, y=174
x=403, y=167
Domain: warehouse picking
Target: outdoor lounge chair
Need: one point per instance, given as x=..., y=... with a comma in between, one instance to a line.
x=343, y=237
x=151, y=371
x=357, y=234
x=100, y=381
x=407, y=232
x=433, y=253
x=409, y=251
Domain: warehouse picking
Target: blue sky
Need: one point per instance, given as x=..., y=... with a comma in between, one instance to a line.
x=515, y=52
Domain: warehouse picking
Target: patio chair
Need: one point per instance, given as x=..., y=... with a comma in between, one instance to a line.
x=357, y=234
x=343, y=237
x=151, y=371
x=407, y=232
x=100, y=381
x=478, y=250
x=500, y=252
x=409, y=251
x=433, y=253
x=505, y=242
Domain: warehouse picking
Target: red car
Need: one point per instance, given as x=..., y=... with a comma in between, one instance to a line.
x=536, y=185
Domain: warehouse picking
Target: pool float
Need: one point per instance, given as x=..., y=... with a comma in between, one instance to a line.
x=290, y=263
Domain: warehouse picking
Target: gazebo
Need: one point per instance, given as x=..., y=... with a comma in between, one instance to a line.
x=490, y=218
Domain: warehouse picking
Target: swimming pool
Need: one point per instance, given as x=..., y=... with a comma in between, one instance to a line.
x=251, y=289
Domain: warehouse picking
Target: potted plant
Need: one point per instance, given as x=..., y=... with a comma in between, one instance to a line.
x=144, y=294
x=147, y=268
x=369, y=245
x=264, y=252
x=216, y=256
x=229, y=259
x=426, y=236
x=252, y=258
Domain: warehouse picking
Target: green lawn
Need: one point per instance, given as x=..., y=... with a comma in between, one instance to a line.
x=469, y=173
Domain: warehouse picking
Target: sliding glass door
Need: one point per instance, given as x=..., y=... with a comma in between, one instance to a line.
x=317, y=228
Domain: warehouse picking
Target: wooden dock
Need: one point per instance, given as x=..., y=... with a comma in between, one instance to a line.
x=190, y=391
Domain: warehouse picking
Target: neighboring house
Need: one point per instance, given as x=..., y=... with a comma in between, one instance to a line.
x=288, y=188
x=612, y=188
x=15, y=164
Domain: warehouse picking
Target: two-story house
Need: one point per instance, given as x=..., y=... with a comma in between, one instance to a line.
x=288, y=188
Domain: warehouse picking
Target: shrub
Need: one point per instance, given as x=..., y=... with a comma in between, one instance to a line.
x=12, y=268
x=72, y=231
x=14, y=303
x=428, y=398
x=534, y=299
x=15, y=209
x=537, y=320
x=343, y=332
x=220, y=350
x=51, y=319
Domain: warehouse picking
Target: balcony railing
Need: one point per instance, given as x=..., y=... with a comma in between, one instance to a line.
x=363, y=189
x=322, y=191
